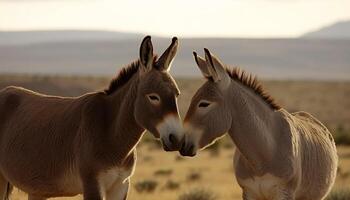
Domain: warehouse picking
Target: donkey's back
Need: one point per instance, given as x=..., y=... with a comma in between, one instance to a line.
x=38, y=136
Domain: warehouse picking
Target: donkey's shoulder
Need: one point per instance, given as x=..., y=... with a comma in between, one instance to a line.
x=93, y=101
x=95, y=107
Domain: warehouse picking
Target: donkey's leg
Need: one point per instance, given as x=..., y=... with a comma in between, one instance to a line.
x=33, y=197
x=5, y=188
x=119, y=190
x=91, y=189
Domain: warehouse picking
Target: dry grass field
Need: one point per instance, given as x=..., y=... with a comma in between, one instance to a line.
x=161, y=175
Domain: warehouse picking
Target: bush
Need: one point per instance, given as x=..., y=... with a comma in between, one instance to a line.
x=179, y=158
x=147, y=158
x=214, y=148
x=339, y=194
x=172, y=185
x=198, y=194
x=148, y=139
x=341, y=136
x=146, y=186
x=227, y=142
x=163, y=172
x=228, y=145
x=343, y=173
x=194, y=176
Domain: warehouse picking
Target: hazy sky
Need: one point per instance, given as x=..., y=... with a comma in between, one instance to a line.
x=229, y=18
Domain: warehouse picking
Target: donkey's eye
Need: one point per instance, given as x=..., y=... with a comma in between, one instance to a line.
x=203, y=104
x=153, y=98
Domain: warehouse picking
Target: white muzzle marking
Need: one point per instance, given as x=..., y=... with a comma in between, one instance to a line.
x=170, y=125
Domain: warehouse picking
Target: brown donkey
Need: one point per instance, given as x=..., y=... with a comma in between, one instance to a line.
x=54, y=146
x=279, y=155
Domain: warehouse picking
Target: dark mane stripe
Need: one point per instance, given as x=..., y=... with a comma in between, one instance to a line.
x=253, y=83
x=123, y=76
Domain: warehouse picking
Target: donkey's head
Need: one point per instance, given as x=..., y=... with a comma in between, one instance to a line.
x=208, y=116
x=156, y=102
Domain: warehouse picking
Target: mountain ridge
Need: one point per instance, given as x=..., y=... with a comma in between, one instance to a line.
x=338, y=30
x=267, y=58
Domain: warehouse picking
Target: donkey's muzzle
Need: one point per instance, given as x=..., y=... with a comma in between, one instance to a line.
x=187, y=150
x=173, y=140
x=172, y=143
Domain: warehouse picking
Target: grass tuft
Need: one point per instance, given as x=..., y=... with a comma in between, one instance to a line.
x=172, y=185
x=163, y=172
x=198, y=194
x=146, y=186
x=339, y=194
x=194, y=176
x=341, y=136
x=214, y=149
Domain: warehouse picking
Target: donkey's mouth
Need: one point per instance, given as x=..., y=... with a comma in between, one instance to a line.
x=187, y=150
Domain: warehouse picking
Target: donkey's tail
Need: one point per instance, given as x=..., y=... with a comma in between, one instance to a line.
x=8, y=191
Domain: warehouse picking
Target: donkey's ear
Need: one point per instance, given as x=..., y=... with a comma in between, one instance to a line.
x=165, y=60
x=146, y=54
x=202, y=65
x=216, y=69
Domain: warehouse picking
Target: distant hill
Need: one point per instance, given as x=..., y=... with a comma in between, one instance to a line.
x=32, y=37
x=339, y=30
x=267, y=58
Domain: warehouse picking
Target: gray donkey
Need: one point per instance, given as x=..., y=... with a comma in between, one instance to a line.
x=279, y=156
x=55, y=146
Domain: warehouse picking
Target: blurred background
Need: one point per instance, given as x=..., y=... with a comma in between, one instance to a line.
x=300, y=49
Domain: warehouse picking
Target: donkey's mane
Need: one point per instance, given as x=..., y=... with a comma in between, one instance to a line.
x=252, y=82
x=124, y=76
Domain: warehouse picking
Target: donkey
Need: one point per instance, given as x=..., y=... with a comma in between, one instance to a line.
x=279, y=155
x=56, y=146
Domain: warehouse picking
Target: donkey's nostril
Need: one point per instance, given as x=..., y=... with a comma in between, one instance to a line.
x=183, y=145
x=172, y=139
x=190, y=149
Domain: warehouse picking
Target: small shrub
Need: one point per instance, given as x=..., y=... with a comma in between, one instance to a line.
x=146, y=186
x=341, y=136
x=194, y=176
x=214, y=148
x=163, y=172
x=198, y=194
x=228, y=145
x=147, y=139
x=172, y=185
x=179, y=158
x=227, y=142
x=339, y=194
x=342, y=173
x=147, y=158
x=150, y=141
x=155, y=145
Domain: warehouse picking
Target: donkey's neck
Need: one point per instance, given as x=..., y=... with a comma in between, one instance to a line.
x=254, y=125
x=125, y=132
